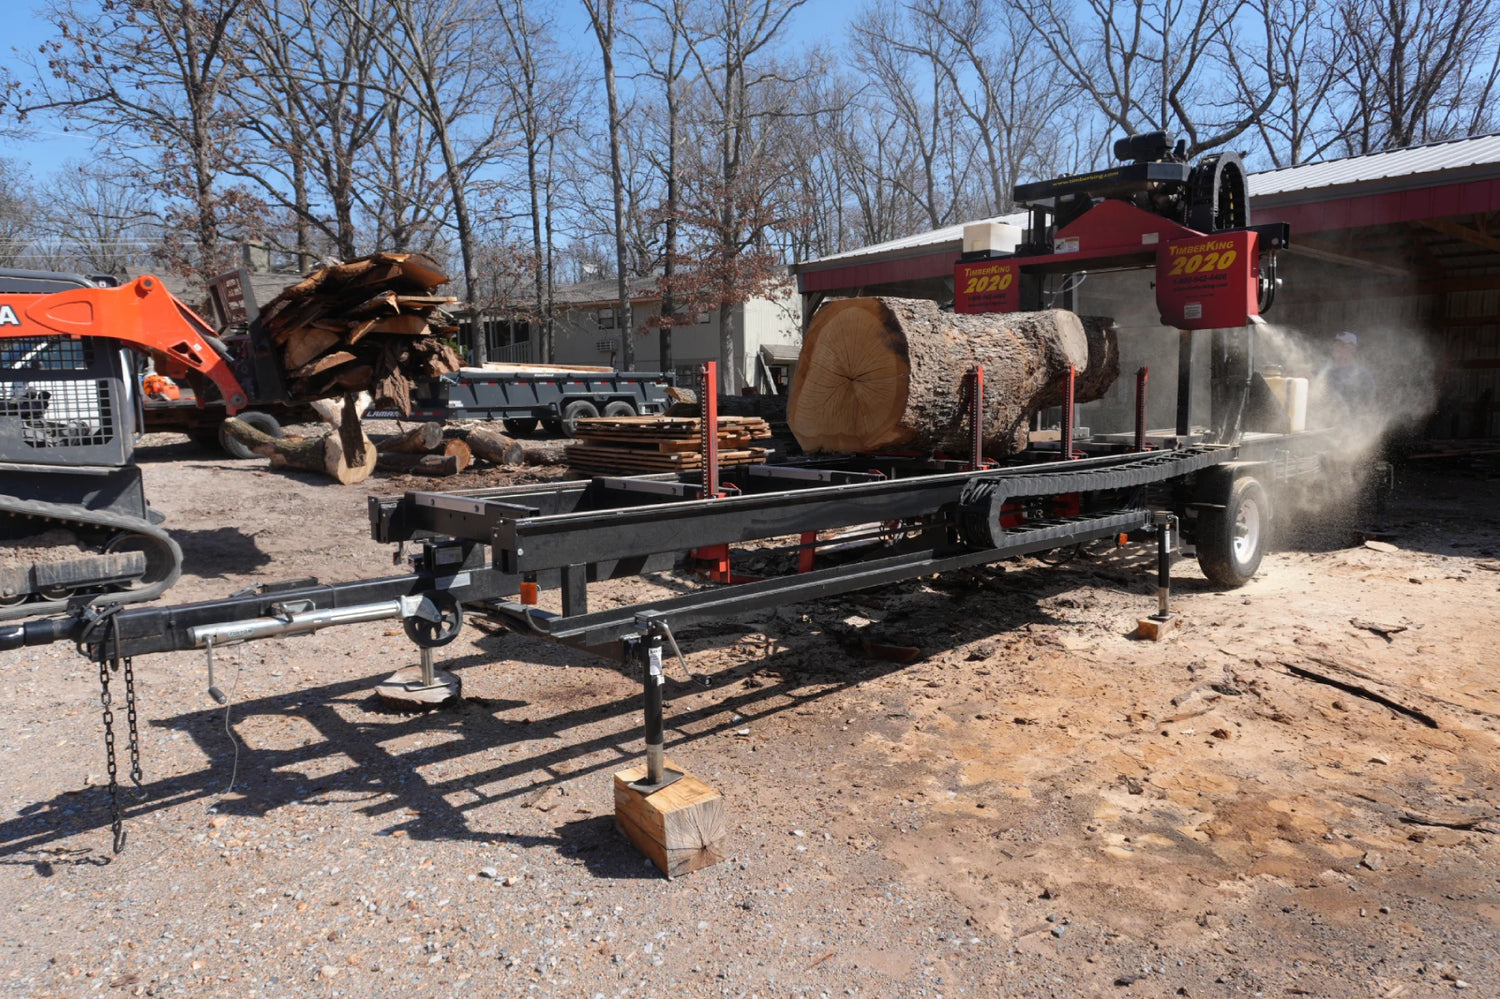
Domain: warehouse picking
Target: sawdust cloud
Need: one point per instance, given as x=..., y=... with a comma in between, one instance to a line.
x=1398, y=358
x=1344, y=497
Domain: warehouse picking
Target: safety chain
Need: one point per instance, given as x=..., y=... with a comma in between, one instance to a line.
x=135, y=738
x=102, y=620
x=116, y=822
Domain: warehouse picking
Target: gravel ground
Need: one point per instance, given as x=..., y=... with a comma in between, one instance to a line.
x=1037, y=806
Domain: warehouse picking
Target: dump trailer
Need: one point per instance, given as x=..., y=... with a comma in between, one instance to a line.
x=526, y=396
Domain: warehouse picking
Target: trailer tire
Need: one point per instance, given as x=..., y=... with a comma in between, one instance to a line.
x=618, y=409
x=521, y=426
x=578, y=409
x=264, y=422
x=1232, y=541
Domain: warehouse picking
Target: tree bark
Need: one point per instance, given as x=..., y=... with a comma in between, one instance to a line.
x=882, y=374
x=493, y=446
x=421, y=439
x=436, y=465
x=310, y=454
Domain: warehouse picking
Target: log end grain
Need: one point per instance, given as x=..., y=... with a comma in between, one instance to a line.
x=681, y=828
x=850, y=389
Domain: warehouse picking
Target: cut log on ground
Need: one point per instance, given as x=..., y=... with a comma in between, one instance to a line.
x=494, y=447
x=310, y=454
x=436, y=465
x=421, y=439
x=545, y=453
x=886, y=374
x=459, y=451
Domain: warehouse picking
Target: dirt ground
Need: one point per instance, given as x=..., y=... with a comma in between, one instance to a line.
x=1039, y=805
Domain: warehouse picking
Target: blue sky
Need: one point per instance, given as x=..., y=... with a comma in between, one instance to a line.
x=49, y=147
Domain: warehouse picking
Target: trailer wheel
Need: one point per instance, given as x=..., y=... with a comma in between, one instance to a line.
x=578, y=409
x=618, y=409
x=264, y=422
x=521, y=426
x=1232, y=541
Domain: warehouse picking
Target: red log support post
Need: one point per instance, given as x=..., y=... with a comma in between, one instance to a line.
x=1065, y=441
x=976, y=417
x=710, y=420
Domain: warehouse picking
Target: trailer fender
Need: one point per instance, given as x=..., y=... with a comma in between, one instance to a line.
x=1213, y=487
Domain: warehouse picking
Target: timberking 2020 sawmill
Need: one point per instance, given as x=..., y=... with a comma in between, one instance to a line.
x=849, y=521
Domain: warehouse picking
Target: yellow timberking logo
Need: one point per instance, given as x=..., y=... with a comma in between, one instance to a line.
x=1207, y=246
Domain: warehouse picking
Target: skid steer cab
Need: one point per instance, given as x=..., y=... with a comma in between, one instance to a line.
x=70, y=410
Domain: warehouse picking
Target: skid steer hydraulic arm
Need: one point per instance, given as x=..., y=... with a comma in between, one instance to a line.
x=142, y=314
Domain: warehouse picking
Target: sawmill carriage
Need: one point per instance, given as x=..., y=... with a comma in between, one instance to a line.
x=853, y=520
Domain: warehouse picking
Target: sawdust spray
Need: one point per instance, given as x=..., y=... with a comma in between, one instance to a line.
x=1402, y=364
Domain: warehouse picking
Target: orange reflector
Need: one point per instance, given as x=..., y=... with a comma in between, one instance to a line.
x=1121, y=539
x=528, y=594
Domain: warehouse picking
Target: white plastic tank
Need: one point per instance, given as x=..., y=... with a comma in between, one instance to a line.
x=1293, y=395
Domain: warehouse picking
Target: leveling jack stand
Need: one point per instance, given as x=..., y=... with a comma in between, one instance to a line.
x=672, y=817
x=1164, y=622
x=418, y=688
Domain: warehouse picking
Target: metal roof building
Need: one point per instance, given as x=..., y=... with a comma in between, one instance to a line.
x=1402, y=246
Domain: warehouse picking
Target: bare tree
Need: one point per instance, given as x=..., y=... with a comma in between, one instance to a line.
x=904, y=59
x=739, y=193
x=439, y=72
x=541, y=104
x=308, y=93
x=101, y=221
x=667, y=52
x=152, y=85
x=1146, y=65
x=18, y=213
x=603, y=15
x=1309, y=54
x=1005, y=85
x=1418, y=70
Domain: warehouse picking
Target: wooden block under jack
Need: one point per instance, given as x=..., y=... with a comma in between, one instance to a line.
x=1156, y=629
x=680, y=828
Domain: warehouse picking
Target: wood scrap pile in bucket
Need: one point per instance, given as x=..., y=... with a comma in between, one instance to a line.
x=372, y=324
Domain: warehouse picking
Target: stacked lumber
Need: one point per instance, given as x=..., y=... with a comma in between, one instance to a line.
x=369, y=324
x=634, y=444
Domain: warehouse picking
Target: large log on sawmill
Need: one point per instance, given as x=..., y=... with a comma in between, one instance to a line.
x=883, y=374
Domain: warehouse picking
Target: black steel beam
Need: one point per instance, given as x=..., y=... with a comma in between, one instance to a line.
x=527, y=545
x=602, y=631
x=144, y=630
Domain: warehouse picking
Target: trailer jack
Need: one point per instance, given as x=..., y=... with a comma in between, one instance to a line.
x=1165, y=621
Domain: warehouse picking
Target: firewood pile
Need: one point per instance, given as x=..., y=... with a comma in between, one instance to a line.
x=370, y=324
x=635, y=444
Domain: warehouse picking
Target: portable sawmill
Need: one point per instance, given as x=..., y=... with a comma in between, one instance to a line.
x=896, y=516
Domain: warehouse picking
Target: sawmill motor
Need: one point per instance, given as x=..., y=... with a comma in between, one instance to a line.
x=74, y=521
x=1207, y=196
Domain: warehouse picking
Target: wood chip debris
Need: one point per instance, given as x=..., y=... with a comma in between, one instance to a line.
x=1385, y=631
